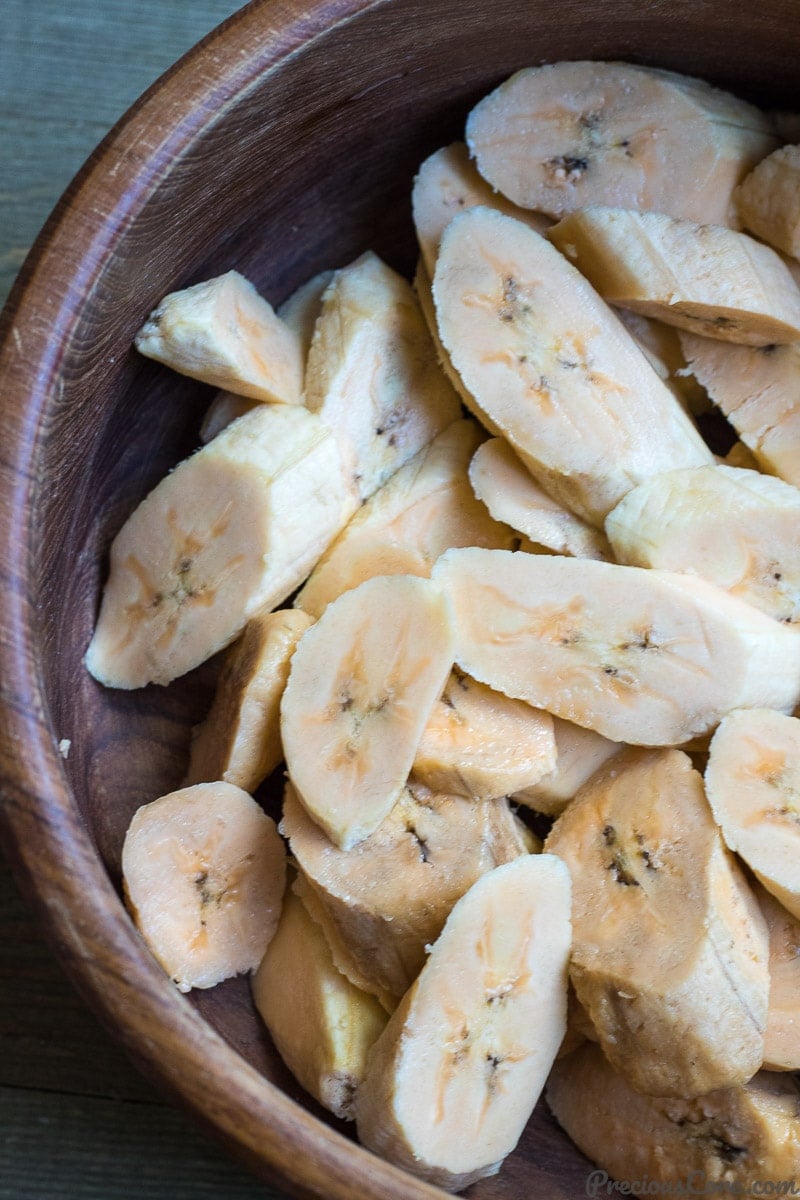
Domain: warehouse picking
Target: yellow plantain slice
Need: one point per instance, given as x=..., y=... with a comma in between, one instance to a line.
x=758, y=390
x=230, y=532
x=480, y=744
x=362, y=684
x=372, y=374
x=732, y=1138
x=322, y=1025
x=735, y=527
x=704, y=278
x=641, y=656
x=204, y=871
x=568, y=134
x=455, y=1075
x=512, y=495
x=240, y=740
x=768, y=200
x=383, y=902
x=670, y=951
x=225, y=334
x=446, y=184
x=782, y=1037
x=552, y=368
x=753, y=785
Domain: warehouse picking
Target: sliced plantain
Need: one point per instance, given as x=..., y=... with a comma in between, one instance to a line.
x=552, y=368
x=240, y=741
x=426, y=507
x=382, y=903
x=734, y=527
x=753, y=786
x=446, y=184
x=782, y=1036
x=372, y=374
x=758, y=390
x=733, y=1138
x=222, y=332
x=705, y=278
x=455, y=1075
x=230, y=532
x=768, y=200
x=641, y=656
x=670, y=951
x=204, y=871
x=480, y=744
x=512, y=495
x=362, y=684
x=579, y=753
x=322, y=1025
x=561, y=136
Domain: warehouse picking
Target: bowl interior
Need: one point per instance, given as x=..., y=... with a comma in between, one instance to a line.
x=287, y=144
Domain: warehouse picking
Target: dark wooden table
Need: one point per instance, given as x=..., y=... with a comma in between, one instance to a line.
x=76, y=1121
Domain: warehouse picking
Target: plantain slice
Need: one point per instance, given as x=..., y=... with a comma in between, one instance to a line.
x=568, y=134
x=736, y=1136
x=552, y=368
x=705, y=278
x=322, y=1025
x=455, y=1075
x=385, y=900
x=753, y=785
x=782, y=1037
x=670, y=951
x=240, y=740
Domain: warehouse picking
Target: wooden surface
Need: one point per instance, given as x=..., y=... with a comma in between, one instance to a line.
x=77, y=1121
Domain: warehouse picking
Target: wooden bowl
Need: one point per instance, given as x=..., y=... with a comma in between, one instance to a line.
x=285, y=143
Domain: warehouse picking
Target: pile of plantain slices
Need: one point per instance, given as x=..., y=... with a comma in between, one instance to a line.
x=469, y=559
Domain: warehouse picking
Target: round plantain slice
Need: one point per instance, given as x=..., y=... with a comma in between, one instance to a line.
x=204, y=871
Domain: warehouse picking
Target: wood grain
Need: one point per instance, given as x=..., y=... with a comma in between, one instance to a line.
x=289, y=144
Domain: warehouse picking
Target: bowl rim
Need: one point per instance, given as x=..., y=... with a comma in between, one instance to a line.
x=42, y=832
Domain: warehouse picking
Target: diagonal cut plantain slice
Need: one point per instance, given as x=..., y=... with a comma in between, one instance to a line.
x=362, y=684
x=455, y=1075
x=240, y=741
x=230, y=532
x=383, y=902
x=704, y=278
x=552, y=367
x=641, y=656
x=568, y=134
x=670, y=951
x=735, y=1138
x=322, y=1025
x=753, y=786
x=222, y=332
x=372, y=375
x=734, y=527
